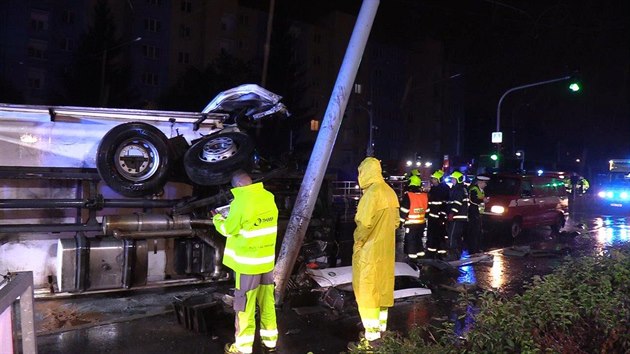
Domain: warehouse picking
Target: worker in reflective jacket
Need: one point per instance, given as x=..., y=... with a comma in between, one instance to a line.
x=436, y=212
x=373, y=253
x=477, y=196
x=457, y=215
x=413, y=206
x=250, y=228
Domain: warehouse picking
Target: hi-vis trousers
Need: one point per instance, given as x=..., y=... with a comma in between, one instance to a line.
x=254, y=290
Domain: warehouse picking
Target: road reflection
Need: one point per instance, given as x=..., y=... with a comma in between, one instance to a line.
x=610, y=231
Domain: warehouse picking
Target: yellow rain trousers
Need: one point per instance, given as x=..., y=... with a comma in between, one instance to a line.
x=374, y=248
x=251, y=291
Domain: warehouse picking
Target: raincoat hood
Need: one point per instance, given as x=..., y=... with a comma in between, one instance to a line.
x=370, y=172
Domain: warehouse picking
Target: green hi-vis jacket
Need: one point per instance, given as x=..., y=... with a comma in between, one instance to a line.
x=251, y=228
x=374, y=239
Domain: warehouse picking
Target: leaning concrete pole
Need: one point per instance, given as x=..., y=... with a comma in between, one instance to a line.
x=303, y=209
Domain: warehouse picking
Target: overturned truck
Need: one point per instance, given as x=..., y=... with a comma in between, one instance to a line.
x=98, y=199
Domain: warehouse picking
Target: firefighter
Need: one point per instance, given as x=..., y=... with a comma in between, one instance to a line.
x=457, y=215
x=476, y=196
x=374, y=253
x=250, y=228
x=413, y=206
x=436, y=212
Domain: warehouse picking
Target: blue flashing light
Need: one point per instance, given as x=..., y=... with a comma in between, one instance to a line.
x=540, y=172
x=624, y=195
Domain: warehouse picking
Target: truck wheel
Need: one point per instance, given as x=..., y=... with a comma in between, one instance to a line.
x=516, y=228
x=133, y=159
x=213, y=159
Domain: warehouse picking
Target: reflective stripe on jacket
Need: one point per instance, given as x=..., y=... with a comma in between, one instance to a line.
x=251, y=228
x=458, y=203
x=413, y=208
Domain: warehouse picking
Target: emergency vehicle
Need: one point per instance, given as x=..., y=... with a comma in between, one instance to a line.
x=96, y=199
x=613, y=188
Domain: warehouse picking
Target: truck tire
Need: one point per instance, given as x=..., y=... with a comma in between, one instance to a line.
x=213, y=159
x=133, y=159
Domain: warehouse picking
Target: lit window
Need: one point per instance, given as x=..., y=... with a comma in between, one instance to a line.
x=314, y=125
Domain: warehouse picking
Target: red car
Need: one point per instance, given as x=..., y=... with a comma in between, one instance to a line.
x=525, y=201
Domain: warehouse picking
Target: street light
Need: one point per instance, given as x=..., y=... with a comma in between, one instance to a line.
x=370, y=145
x=539, y=83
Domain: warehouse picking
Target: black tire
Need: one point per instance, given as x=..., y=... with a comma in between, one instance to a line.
x=212, y=160
x=133, y=159
x=558, y=224
x=516, y=228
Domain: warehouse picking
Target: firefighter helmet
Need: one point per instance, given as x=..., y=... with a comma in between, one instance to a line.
x=458, y=176
x=438, y=174
x=415, y=181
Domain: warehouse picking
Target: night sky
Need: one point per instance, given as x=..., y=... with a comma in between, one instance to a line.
x=497, y=45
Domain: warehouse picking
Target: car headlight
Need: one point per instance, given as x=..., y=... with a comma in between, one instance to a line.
x=497, y=209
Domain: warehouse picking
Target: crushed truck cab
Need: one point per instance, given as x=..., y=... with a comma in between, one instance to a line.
x=101, y=198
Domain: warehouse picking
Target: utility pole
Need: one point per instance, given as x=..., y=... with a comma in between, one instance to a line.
x=305, y=202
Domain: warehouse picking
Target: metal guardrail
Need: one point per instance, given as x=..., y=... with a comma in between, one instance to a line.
x=19, y=286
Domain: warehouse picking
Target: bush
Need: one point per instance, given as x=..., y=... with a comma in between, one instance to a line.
x=582, y=307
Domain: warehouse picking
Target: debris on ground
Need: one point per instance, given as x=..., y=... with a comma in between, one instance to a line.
x=65, y=317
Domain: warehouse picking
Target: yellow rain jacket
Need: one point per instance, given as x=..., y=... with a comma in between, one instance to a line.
x=374, y=238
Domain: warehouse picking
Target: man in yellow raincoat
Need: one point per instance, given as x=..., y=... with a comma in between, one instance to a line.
x=374, y=252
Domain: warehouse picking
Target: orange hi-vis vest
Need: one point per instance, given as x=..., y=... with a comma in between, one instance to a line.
x=418, y=204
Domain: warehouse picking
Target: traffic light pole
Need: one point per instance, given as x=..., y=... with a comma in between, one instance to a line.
x=539, y=83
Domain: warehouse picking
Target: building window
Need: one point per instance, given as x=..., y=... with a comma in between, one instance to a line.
x=184, y=31
x=183, y=58
x=39, y=22
x=35, y=80
x=150, y=52
x=150, y=79
x=314, y=125
x=67, y=17
x=186, y=6
x=37, y=49
x=67, y=45
x=152, y=25
x=243, y=19
x=227, y=46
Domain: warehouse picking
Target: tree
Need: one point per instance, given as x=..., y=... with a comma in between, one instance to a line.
x=195, y=88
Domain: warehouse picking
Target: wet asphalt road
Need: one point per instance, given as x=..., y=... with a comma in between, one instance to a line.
x=144, y=323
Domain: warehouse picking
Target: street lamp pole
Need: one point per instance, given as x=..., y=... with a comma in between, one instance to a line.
x=539, y=83
x=370, y=145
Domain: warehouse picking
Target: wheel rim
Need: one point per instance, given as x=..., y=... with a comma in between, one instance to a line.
x=218, y=149
x=137, y=160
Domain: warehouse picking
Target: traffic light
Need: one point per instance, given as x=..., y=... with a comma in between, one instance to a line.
x=494, y=157
x=575, y=86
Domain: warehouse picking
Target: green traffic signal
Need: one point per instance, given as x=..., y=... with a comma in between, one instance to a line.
x=494, y=157
x=574, y=86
